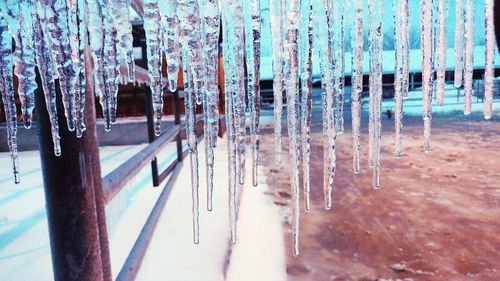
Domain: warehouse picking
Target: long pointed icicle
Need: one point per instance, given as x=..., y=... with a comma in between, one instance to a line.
x=329, y=136
x=276, y=29
x=441, y=50
x=42, y=55
x=56, y=12
x=459, y=42
x=357, y=80
x=426, y=46
x=210, y=38
x=229, y=76
x=112, y=65
x=489, y=72
x=190, y=107
x=306, y=48
x=401, y=71
x=24, y=61
x=468, y=54
x=292, y=85
x=8, y=99
x=375, y=11
x=337, y=43
x=80, y=70
x=172, y=46
x=252, y=47
x=121, y=16
x=154, y=41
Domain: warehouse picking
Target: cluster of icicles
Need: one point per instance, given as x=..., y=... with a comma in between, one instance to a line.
x=52, y=36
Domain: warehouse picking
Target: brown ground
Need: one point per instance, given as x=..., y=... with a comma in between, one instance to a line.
x=436, y=216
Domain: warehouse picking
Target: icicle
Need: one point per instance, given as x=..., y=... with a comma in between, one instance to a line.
x=441, y=50
x=306, y=48
x=24, y=57
x=291, y=72
x=120, y=14
x=190, y=37
x=80, y=70
x=210, y=39
x=426, y=46
x=42, y=55
x=252, y=48
x=489, y=72
x=56, y=12
x=459, y=42
x=468, y=54
x=112, y=66
x=8, y=99
x=329, y=136
x=172, y=46
x=337, y=43
x=375, y=12
x=190, y=108
x=357, y=79
x=401, y=71
x=153, y=32
x=277, y=47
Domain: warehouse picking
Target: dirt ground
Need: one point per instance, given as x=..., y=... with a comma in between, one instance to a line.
x=436, y=216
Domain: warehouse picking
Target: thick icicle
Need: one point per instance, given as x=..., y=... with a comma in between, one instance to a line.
x=95, y=12
x=56, y=12
x=8, y=99
x=401, y=71
x=80, y=92
x=188, y=13
x=112, y=65
x=459, y=42
x=42, y=56
x=291, y=72
x=441, y=50
x=252, y=47
x=468, y=54
x=329, y=136
x=489, y=72
x=337, y=45
x=275, y=8
x=427, y=63
x=229, y=76
x=375, y=14
x=306, y=48
x=24, y=58
x=172, y=46
x=190, y=107
x=120, y=14
x=210, y=20
x=357, y=79
x=152, y=28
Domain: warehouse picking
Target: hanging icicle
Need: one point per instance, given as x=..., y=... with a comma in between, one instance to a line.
x=468, y=54
x=172, y=46
x=291, y=73
x=120, y=14
x=252, y=48
x=442, y=16
x=459, y=42
x=305, y=52
x=427, y=63
x=8, y=99
x=275, y=14
x=401, y=43
x=154, y=49
x=375, y=45
x=489, y=71
x=335, y=11
x=357, y=79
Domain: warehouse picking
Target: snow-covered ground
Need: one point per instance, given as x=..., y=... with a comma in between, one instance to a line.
x=24, y=241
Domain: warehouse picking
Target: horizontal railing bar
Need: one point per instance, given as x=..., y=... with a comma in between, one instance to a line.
x=134, y=260
x=118, y=178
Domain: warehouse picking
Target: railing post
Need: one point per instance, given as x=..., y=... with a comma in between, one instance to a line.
x=177, y=121
x=75, y=210
x=149, y=117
